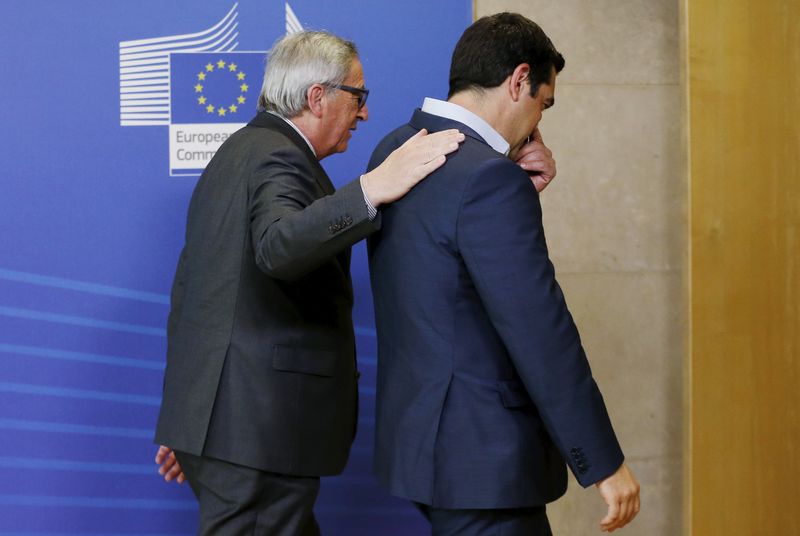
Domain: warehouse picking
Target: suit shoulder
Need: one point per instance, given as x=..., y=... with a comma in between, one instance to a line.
x=251, y=148
x=495, y=163
x=478, y=160
x=258, y=140
x=389, y=143
x=490, y=178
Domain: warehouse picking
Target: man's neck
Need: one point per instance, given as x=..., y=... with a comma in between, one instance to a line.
x=308, y=126
x=486, y=106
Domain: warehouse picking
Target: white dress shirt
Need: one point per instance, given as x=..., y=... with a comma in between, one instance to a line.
x=458, y=113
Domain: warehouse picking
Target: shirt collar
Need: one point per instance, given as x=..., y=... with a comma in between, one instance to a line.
x=458, y=113
x=296, y=129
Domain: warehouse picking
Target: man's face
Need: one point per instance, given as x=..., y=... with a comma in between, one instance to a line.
x=342, y=113
x=534, y=106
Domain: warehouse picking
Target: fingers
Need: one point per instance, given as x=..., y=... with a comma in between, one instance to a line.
x=423, y=149
x=529, y=148
x=442, y=143
x=535, y=158
x=421, y=134
x=540, y=182
x=170, y=468
x=624, y=513
x=415, y=138
x=167, y=464
x=612, y=515
x=623, y=516
x=533, y=151
x=429, y=167
x=620, y=492
x=174, y=472
x=413, y=141
x=162, y=453
x=536, y=136
x=537, y=165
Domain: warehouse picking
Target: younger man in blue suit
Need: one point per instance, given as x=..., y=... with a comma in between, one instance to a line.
x=484, y=389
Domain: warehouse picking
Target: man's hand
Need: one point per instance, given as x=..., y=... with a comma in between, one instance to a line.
x=169, y=467
x=535, y=158
x=620, y=491
x=409, y=164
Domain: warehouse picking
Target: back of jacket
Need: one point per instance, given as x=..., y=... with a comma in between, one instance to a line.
x=261, y=355
x=483, y=386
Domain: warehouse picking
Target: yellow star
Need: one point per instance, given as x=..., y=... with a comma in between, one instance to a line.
x=244, y=88
x=233, y=67
x=198, y=88
x=210, y=109
x=232, y=108
x=241, y=99
x=201, y=76
x=221, y=111
x=240, y=76
x=209, y=67
x=220, y=64
x=201, y=100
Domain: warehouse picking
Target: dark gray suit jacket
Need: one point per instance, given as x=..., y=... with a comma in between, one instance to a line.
x=261, y=354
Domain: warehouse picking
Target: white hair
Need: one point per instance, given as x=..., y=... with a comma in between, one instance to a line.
x=298, y=61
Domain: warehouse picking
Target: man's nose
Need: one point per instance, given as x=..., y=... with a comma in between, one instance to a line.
x=363, y=113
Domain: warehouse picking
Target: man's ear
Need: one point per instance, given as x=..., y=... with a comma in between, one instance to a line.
x=516, y=82
x=314, y=96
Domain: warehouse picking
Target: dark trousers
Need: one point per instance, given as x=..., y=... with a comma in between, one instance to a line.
x=490, y=522
x=237, y=500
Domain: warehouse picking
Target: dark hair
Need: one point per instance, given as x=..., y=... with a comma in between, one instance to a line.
x=490, y=50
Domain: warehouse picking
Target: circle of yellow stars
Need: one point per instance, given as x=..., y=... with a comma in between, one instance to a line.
x=221, y=66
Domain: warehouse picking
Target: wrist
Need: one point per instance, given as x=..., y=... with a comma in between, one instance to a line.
x=368, y=187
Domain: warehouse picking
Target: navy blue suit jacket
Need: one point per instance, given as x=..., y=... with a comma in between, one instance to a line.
x=484, y=389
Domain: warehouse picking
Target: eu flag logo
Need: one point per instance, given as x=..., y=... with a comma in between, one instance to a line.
x=212, y=94
x=211, y=87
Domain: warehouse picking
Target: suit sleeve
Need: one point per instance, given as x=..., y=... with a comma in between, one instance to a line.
x=501, y=238
x=293, y=231
x=177, y=293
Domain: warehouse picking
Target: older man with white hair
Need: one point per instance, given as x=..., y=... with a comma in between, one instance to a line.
x=260, y=394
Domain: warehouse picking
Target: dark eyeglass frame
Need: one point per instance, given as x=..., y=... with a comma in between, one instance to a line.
x=360, y=92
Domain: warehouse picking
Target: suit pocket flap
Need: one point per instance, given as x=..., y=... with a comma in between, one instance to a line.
x=513, y=394
x=304, y=360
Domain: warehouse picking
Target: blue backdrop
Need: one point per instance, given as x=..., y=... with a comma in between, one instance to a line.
x=92, y=220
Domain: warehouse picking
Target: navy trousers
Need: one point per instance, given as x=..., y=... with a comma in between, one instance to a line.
x=236, y=500
x=491, y=522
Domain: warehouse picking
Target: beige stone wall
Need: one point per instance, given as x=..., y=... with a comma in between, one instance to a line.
x=616, y=226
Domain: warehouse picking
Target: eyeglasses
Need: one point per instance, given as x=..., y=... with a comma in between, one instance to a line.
x=360, y=92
